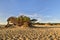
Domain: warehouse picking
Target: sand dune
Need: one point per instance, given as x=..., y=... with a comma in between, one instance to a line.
x=30, y=33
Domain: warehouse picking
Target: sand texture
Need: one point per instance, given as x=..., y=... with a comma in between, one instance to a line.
x=30, y=34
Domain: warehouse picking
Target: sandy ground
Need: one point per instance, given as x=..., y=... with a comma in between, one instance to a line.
x=19, y=33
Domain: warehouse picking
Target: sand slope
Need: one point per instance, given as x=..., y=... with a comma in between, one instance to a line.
x=30, y=34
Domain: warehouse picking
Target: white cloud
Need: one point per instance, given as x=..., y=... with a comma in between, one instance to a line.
x=34, y=15
x=41, y=18
x=43, y=10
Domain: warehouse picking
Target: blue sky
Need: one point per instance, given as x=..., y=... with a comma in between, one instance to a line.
x=43, y=10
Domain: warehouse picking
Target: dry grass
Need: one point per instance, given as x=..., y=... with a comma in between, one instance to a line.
x=19, y=33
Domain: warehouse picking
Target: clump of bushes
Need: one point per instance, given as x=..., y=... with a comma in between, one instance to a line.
x=20, y=21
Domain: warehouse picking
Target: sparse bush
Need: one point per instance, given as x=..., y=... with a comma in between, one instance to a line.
x=20, y=21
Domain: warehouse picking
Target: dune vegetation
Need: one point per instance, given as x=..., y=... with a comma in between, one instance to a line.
x=21, y=28
x=20, y=21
